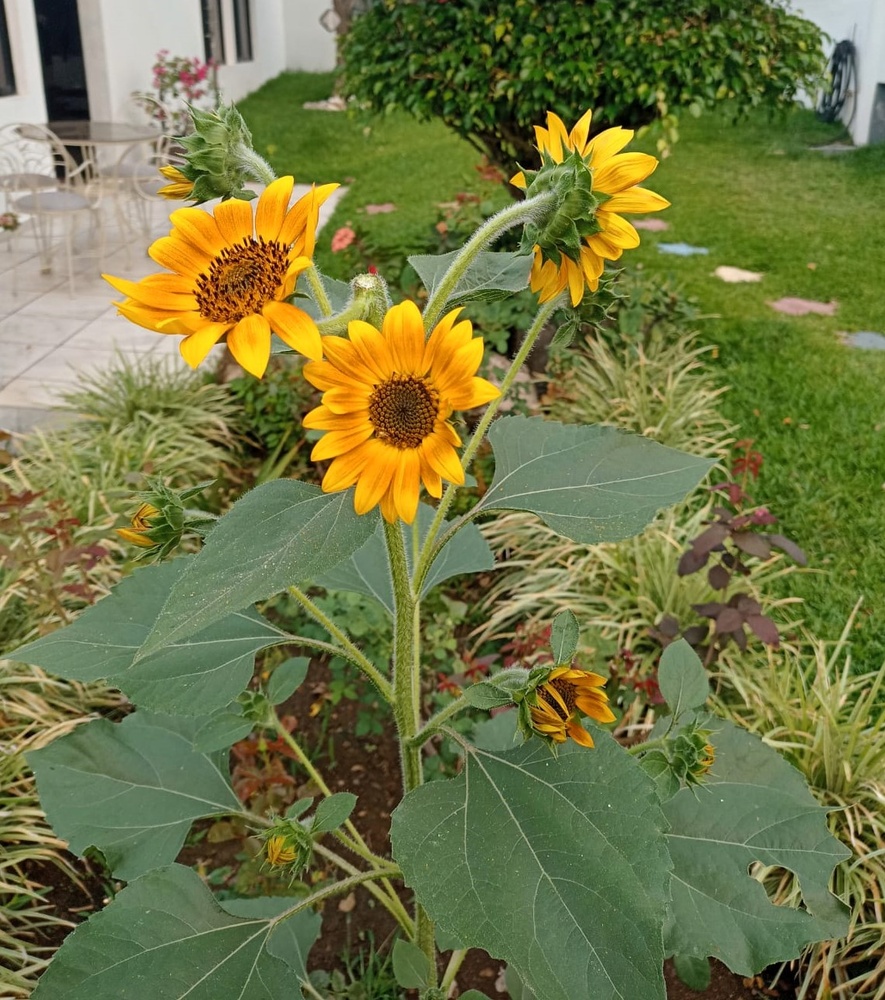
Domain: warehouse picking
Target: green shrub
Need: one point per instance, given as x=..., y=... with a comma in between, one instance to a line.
x=491, y=69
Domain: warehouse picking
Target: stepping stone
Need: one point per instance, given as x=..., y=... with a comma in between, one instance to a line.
x=801, y=307
x=681, y=249
x=833, y=148
x=865, y=339
x=651, y=225
x=733, y=275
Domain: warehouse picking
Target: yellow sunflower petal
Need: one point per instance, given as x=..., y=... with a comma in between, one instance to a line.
x=234, y=220
x=180, y=256
x=346, y=358
x=345, y=470
x=323, y=419
x=557, y=137
x=518, y=180
x=198, y=228
x=406, y=485
x=431, y=478
x=295, y=328
x=575, y=278
x=459, y=367
x=150, y=319
x=578, y=135
x=372, y=349
x=442, y=458
x=476, y=393
x=249, y=342
x=375, y=478
x=273, y=203
x=623, y=171
x=152, y=294
x=579, y=734
x=636, y=199
x=388, y=506
x=604, y=146
x=323, y=375
x=195, y=347
x=404, y=332
x=337, y=443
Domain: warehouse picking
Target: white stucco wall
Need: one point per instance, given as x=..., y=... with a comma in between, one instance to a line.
x=862, y=22
x=120, y=41
x=28, y=104
x=308, y=45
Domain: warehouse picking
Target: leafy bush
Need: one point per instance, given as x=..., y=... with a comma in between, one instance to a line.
x=490, y=69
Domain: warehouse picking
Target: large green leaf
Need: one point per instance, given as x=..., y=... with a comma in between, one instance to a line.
x=131, y=789
x=193, y=676
x=682, y=678
x=281, y=533
x=591, y=484
x=292, y=938
x=367, y=570
x=491, y=274
x=753, y=806
x=557, y=864
x=164, y=937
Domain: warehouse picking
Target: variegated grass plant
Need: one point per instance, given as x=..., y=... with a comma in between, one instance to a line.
x=36, y=709
x=135, y=417
x=810, y=703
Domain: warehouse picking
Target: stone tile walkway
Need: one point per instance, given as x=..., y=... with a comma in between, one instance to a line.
x=48, y=335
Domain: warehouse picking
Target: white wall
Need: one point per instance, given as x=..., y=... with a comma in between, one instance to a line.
x=308, y=45
x=28, y=103
x=120, y=41
x=862, y=22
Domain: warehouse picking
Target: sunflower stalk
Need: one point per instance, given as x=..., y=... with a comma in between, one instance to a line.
x=320, y=295
x=531, y=209
x=407, y=699
x=255, y=165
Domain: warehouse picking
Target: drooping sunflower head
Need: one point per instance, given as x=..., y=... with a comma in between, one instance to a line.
x=387, y=398
x=230, y=274
x=594, y=182
x=561, y=700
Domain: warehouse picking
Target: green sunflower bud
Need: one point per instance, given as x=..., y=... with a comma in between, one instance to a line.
x=219, y=157
x=571, y=216
x=162, y=519
x=288, y=847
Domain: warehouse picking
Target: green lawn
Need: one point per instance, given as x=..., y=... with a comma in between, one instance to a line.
x=758, y=199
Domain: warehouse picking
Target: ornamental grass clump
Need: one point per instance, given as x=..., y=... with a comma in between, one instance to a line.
x=579, y=862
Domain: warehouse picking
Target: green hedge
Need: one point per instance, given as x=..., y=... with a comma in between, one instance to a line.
x=490, y=69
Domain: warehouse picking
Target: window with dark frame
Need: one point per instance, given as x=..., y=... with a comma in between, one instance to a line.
x=213, y=32
x=243, y=30
x=7, y=73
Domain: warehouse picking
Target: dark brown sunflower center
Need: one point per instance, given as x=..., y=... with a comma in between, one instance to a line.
x=567, y=691
x=403, y=410
x=241, y=279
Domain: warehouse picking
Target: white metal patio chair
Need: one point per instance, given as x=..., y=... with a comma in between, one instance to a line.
x=41, y=179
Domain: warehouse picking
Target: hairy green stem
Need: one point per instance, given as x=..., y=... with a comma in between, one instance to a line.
x=436, y=722
x=514, y=215
x=345, y=885
x=256, y=165
x=407, y=698
x=393, y=905
x=432, y=546
x=319, y=290
x=347, y=649
x=455, y=961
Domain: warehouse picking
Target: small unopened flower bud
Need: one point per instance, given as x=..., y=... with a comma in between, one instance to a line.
x=162, y=519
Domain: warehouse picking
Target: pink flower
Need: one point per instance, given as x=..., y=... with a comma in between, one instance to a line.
x=342, y=239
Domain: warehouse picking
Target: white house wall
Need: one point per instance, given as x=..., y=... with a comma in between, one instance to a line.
x=28, y=104
x=861, y=22
x=308, y=45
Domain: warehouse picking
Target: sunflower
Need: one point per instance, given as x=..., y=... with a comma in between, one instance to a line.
x=387, y=399
x=567, y=694
x=141, y=524
x=179, y=188
x=231, y=274
x=615, y=176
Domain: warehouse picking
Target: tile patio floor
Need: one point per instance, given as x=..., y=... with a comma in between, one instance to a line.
x=48, y=335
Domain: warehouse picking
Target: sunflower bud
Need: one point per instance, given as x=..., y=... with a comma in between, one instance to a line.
x=572, y=214
x=288, y=847
x=162, y=519
x=680, y=761
x=220, y=158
